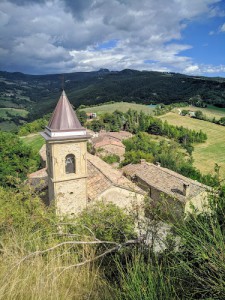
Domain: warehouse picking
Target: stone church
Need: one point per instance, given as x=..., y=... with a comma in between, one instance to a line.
x=75, y=177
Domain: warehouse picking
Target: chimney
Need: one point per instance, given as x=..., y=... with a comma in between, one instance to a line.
x=158, y=164
x=186, y=189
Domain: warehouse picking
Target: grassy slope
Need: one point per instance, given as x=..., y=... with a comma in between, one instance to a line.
x=121, y=106
x=209, y=153
x=211, y=111
x=205, y=155
x=13, y=112
x=35, y=140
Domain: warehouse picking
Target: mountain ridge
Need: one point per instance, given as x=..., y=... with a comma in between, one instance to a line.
x=38, y=94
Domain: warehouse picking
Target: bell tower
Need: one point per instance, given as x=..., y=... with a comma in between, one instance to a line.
x=66, y=149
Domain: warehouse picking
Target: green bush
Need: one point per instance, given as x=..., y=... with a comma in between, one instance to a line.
x=110, y=159
x=106, y=222
x=16, y=159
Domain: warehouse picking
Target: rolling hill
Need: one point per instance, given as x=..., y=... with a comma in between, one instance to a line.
x=38, y=94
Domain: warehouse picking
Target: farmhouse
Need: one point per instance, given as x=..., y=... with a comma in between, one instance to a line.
x=162, y=184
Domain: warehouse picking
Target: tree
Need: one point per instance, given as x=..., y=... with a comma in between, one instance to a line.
x=199, y=115
x=222, y=121
x=16, y=159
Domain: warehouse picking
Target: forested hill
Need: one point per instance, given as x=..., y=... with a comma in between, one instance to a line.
x=38, y=94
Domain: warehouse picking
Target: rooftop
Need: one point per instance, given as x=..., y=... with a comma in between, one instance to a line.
x=101, y=176
x=64, y=123
x=64, y=117
x=165, y=180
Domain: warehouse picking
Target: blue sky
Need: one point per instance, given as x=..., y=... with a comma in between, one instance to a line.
x=57, y=36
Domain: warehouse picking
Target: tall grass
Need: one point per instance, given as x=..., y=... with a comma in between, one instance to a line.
x=27, y=227
x=194, y=270
x=49, y=276
x=142, y=279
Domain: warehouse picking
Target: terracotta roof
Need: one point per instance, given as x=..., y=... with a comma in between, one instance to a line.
x=64, y=118
x=101, y=176
x=121, y=135
x=106, y=141
x=38, y=179
x=113, y=136
x=164, y=180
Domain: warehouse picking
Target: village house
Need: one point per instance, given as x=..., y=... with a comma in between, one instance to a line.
x=111, y=142
x=164, y=185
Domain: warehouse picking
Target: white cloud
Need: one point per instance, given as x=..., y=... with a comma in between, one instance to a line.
x=193, y=69
x=222, y=28
x=63, y=35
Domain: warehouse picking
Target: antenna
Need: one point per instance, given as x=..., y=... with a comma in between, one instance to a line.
x=63, y=81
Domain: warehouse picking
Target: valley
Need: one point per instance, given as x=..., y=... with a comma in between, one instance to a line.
x=37, y=94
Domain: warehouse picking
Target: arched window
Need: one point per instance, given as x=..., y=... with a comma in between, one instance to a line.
x=70, y=164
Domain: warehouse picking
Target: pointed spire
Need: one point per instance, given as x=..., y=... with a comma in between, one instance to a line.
x=64, y=117
x=64, y=122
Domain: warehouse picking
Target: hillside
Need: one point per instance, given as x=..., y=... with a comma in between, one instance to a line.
x=37, y=94
x=206, y=154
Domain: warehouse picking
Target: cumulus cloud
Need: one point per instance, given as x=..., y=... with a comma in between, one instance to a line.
x=45, y=36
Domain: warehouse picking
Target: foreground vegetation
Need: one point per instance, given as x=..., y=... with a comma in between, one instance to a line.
x=43, y=257
x=17, y=159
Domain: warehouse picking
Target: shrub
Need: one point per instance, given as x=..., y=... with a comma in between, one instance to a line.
x=110, y=159
x=106, y=222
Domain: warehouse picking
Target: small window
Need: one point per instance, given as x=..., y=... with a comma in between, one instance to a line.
x=70, y=164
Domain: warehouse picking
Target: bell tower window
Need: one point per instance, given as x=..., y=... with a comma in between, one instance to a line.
x=70, y=164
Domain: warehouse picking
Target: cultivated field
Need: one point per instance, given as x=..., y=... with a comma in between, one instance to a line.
x=13, y=112
x=208, y=153
x=121, y=106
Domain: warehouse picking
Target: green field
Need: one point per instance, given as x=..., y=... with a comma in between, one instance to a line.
x=208, y=153
x=121, y=106
x=35, y=140
x=7, y=126
x=13, y=112
x=210, y=111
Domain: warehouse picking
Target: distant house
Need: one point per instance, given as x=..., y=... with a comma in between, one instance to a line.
x=91, y=115
x=162, y=184
x=111, y=142
x=192, y=113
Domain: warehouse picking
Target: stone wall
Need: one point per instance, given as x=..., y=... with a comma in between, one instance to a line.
x=65, y=188
x=71, y=196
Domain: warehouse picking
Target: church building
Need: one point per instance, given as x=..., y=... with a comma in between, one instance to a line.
x=76, y=178
x=66, y=150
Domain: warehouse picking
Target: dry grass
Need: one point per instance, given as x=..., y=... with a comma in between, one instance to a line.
x=208, y=153
x=45, y=277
